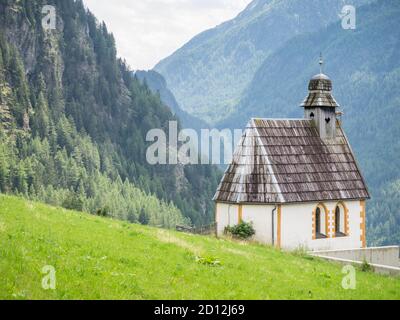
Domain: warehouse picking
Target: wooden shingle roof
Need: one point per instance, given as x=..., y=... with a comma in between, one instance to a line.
x=286, y=161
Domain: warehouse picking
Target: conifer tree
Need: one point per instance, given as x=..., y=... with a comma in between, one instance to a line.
x=143, y=218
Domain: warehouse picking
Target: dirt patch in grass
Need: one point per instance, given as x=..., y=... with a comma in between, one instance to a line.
x=168, y=237
x=238, y=252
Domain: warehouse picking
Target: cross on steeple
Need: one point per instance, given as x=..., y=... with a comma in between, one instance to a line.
x=321, y=63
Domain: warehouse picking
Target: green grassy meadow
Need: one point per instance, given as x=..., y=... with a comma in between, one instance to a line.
x=99, y=258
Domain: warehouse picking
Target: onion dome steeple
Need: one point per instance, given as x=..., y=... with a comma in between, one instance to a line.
x=320, y=91
x=320, y=105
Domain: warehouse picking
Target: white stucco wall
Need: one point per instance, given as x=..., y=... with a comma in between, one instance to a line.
x=297, y=229
x=296, y=224
x=261, y=217
x=227, y=215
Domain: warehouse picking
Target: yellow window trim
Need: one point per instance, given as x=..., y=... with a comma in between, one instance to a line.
x=363, y=237
x=346, y=219
x=240, y=214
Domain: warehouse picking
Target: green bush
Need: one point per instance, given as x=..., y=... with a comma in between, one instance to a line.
x=243, y=230
x=366, y=267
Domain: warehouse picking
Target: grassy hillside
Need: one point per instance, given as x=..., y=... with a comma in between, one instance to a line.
x=97, y=258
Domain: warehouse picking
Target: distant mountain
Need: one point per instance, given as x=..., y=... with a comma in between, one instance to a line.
x=209, y=74
x=364, y=65
x=158, y=85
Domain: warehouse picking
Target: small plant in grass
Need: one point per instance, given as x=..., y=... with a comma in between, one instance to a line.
x=366, y=267
x=242, y=231
x=302, y=252
x=208, y=261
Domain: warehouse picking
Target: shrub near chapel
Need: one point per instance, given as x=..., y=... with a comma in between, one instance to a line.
x=241, y=231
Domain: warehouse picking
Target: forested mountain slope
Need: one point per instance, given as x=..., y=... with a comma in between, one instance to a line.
x=209, y=74
x=364, y=65
x=73, y=123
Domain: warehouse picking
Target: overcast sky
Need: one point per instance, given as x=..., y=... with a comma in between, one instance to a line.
x=147, y=31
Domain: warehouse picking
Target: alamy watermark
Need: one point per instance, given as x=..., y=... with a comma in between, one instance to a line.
x=190, y=147
x=349, y=17
x=49, y=280
x=49, y=21
x=349, y=282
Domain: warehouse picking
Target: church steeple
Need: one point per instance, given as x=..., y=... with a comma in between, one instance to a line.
x=320, y=105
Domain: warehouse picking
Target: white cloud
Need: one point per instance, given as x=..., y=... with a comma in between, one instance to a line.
x=147, y=31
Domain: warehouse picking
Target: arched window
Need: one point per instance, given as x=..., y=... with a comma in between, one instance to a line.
x=338, y=220
x=320, y=219
x=341, y=228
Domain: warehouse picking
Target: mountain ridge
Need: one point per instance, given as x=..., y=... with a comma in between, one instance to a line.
x=158, y=85
x=211, y=71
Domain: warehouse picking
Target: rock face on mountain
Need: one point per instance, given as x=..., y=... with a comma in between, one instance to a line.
x=209, y=74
